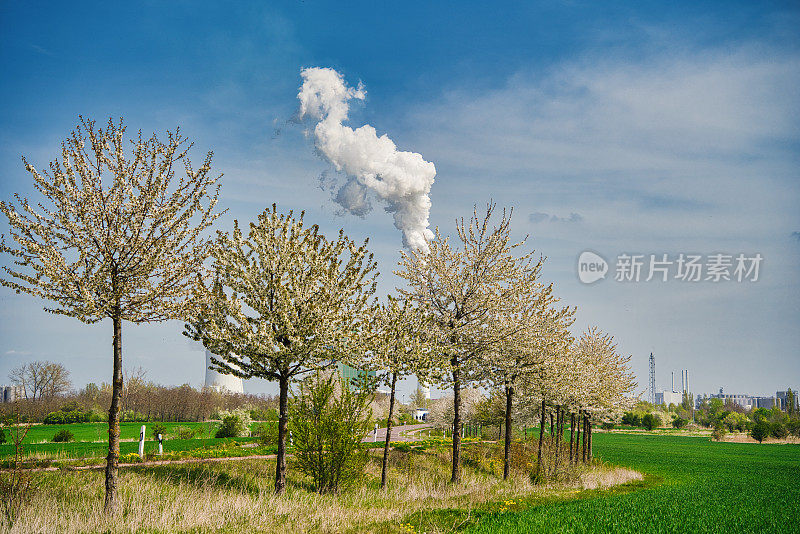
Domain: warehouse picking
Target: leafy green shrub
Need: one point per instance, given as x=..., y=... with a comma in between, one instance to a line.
x=158, y=428
x=778, y=430
x=96, y=416
x=607, y=425
x=235, y=423
x=760, y=430
x=62, y=417
x=631, y=419
x=2, y=436
x=793, y=427
x=267, y=433
x=328, y=420
x=679, y=422
x=719, y=432
x=63, y=435
x=651, y=421
x=258, y=414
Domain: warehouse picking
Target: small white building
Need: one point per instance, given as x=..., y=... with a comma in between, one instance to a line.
x=669, y=397
x=421, y=414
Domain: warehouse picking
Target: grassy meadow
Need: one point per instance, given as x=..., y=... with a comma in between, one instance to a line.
x=690, y=484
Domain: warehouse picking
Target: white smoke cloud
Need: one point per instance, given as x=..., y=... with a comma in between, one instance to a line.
x=402, y=180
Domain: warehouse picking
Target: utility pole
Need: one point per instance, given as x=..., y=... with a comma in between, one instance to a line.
x=652, y=379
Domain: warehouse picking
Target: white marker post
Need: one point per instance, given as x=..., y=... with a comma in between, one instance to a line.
x=375, y=433
x=160, y=445
x=141, y=443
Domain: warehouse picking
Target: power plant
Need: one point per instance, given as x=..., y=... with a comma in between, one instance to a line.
x=222, y=382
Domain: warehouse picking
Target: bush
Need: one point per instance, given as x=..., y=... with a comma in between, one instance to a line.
x=2, y=436
x=793, y=427
x=258, y=414
x=607, y=426
x=631, y=419
x=64, y=417
x=760, y=430
x=328, y=420
x=651, y=421
x=158, y=428
x=718, y=433
x=62, y=436
x=778, y=430
x=679, y=422
x=267, y=433
x=235, y=423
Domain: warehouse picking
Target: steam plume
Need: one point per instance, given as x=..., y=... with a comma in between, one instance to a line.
x=402, y=180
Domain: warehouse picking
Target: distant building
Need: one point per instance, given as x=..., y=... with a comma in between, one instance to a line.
x=750, y=402
x=420, y=414
x=10, y=393
x=222, y=382
x=668, y=397
x=764, y=402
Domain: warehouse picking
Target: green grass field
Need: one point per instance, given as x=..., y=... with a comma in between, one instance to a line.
x=91, y=439
x=695, y=485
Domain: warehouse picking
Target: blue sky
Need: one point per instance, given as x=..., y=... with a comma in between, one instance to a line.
x=666, y=128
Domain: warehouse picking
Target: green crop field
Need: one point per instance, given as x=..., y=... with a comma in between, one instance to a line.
x=91, y=439
x=695, y=485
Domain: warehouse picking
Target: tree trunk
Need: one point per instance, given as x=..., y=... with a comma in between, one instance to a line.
x=585, y=438
x=578, y=422
x=589, y=432
x=557, y=437
x=112, y=460
x=506, y=457
x=541, y=435
x=552, y=432
x=283, y=423
x=385, y=464
x=456, y=477
x=571, y=437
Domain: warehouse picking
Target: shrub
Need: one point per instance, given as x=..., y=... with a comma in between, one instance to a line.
x=270, y=414
x=267, y=433
x=235, y=423
x=778, y=430
x=793, y=427
x=62, y=417
x=158, y=428
x=760, y=430
x=2, y=436
x=328, y=420
x=718, y=433
x=631, y=419
x=62, y=436
x=651, y=421
x=679, y=422
x=607, y=425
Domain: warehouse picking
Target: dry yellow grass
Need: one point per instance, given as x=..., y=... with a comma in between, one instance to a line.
x=237, y=497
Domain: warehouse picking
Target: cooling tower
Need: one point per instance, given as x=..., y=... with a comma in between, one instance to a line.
x=425, y=389
x=219, y=381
